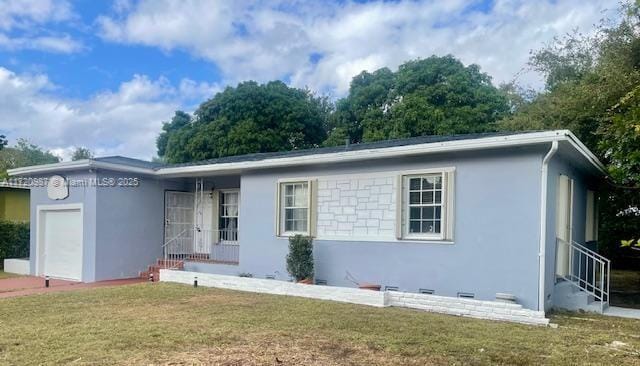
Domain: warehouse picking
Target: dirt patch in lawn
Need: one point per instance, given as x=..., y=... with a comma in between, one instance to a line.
x=288, y=352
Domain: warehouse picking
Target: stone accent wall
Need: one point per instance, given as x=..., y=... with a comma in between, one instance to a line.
x=491, y=310
x=357, y=207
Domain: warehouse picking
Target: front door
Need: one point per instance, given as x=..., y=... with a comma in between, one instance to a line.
x=179, y=217
x=564, y=215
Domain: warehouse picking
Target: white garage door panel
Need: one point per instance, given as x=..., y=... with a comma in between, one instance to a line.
x=63, y=244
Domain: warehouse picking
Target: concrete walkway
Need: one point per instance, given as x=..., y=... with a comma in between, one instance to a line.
x=622, y=312
x=29, y=285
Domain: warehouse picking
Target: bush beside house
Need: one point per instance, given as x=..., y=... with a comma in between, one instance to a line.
x=14, y=240
x=300, y=258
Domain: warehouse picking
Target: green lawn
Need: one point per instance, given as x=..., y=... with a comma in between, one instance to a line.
x=6, y=275
x=177, y=324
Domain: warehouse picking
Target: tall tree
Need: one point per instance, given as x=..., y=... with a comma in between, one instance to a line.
x=24, y=154
x=592, y=88
x=249, y=118
x=433, y=96
x=179, y=120
x=81, y=153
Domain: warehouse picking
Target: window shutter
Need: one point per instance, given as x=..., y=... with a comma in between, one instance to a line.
x=399, y=195
x=313, y=203
x=277, y=215
x=449, y=179
x=215, y=208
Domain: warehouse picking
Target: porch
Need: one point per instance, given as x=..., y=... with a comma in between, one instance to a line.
x=201, y=225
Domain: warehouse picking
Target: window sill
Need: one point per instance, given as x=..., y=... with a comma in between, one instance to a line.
x=377, y=239
x=289, y=235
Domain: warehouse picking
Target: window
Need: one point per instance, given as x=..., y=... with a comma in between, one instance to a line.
x=229, y=215
x=294, y=203
x=424, y=213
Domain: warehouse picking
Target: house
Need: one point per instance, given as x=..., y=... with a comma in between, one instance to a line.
x=466, y=215
x=14, y=202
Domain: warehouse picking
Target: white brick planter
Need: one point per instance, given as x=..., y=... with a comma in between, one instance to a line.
x=491, y=310
x=341, y=294
x=17, y=266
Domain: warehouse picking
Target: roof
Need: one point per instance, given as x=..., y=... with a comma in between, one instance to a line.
x=123, y=160
x=344, y=153
x=349, y=147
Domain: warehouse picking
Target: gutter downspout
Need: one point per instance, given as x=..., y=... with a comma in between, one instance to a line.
x=543, y=222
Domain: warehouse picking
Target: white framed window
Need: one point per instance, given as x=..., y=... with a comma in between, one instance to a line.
x=295, y=208
x=229, y=213
x=426, y=206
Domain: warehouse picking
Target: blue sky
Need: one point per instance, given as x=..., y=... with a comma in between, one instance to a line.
x=106, y=74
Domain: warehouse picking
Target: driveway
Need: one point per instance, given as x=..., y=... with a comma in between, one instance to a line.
x=28, y=285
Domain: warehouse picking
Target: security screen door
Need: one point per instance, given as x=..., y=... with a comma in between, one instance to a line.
x=179, y=216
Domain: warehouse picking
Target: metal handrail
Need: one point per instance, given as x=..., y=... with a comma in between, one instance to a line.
x=218, y=246
x=175, y=237
x=591, y=277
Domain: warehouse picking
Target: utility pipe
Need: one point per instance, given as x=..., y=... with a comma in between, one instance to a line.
x=543, y=222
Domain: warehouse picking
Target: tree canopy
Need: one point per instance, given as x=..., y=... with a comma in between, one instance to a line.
x=248, y=118
x=24, y=154
x=437, y=95
x=81, y=153
x=432, y=96
x=593, y=89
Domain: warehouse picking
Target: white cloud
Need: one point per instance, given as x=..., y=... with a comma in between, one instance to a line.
x=25, y=13
x=59, y=44
x=271, y=39
x=125, y=121
x=20, y=22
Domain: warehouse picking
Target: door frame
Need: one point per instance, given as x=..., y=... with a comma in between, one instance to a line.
x=569, y=201
x=164, y=211
x=40, y=242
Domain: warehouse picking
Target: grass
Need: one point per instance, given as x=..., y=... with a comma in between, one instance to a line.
x=177, y=324
x=4, y=275
x=625, y=288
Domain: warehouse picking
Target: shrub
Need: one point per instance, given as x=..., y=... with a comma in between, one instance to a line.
x=300, y=257
x=14, y=240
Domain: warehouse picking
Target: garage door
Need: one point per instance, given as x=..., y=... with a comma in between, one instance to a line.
x=62, y=240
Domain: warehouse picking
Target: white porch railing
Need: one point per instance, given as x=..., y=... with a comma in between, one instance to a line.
x=216, y=246
x=587, y=270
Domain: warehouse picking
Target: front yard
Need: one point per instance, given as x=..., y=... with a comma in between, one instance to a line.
x=4, y=275
x=177, y=324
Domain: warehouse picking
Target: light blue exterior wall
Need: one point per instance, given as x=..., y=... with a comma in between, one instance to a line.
x=130, y=233
x=123, y=228
x=496, y=223
x=86, y=195
x=560, y=165
x=497, y=213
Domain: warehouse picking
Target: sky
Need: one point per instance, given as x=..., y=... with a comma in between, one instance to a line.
x=105, y=75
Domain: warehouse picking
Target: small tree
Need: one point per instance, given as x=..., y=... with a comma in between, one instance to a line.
x=81, y=153
x=300, y=257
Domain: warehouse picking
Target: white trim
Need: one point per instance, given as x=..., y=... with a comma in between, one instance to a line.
x=13, y=185
x=39, y=240
x=388, y=152
x=379, y=239
x=402, y=218
x=344, y=156
x=544, y=183
x=281, y=216
x=79, y=164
